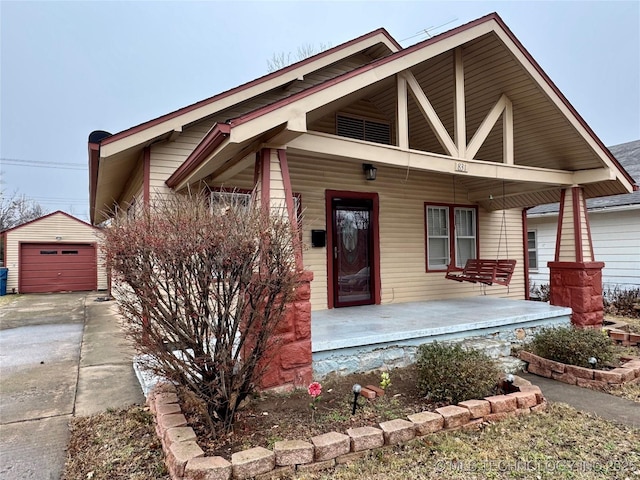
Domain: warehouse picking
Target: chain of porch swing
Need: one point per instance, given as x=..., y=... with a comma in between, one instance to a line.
x=503, y=228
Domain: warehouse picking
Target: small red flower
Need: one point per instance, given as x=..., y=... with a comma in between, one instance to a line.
x=315, y=389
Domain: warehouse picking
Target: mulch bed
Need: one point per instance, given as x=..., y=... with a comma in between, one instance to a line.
x=272, y=417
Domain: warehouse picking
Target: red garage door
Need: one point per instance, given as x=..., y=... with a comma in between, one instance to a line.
x=57, y=267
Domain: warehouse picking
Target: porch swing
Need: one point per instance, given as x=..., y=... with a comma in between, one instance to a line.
x=483, y=270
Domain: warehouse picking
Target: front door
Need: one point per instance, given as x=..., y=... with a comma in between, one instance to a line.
x=353, y=251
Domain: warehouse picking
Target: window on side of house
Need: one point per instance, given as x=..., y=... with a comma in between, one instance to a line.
x=452, y=235
x=532, y=249
x=218, y=199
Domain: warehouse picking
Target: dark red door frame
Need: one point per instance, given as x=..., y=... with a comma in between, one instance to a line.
x=375, y=234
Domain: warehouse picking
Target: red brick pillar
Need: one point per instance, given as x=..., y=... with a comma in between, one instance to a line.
x=575, y=276
x=291, y=364
x=578, y=285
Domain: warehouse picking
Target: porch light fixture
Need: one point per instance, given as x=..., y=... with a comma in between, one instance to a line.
x=369, y=171
x=593, y=361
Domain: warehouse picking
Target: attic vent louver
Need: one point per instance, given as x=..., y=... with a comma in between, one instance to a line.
x=363, y=129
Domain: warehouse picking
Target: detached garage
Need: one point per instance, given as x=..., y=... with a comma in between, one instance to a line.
x=55, y=253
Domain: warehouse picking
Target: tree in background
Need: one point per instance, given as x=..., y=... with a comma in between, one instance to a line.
x=202, y=290
x=17, y=209
x=281, y=60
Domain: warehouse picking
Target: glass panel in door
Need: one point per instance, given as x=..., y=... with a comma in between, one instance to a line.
x=352, y=245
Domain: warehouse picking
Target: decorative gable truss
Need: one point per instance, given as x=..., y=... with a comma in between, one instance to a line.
x=542, y=148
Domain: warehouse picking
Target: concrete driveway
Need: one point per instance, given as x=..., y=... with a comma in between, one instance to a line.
x=60, y=355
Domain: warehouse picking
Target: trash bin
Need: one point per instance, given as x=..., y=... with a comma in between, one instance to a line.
x=3, y=281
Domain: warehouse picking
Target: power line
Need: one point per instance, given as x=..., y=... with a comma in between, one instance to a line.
x=42, y=164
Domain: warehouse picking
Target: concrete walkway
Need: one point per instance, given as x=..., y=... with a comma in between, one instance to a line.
x=60, y=355
x=614, y=409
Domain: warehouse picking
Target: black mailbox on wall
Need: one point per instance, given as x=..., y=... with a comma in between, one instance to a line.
x=318, y=238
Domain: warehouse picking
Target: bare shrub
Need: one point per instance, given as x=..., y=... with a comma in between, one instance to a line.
x=622, y=302
x=202, y=289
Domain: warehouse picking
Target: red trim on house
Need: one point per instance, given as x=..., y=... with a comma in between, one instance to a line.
x=563, y=194
x=304, y=93
x=265, y=179
x=293, y=215
x=218, y=133
x=47, y=216
x=452, y=229
x=525, y=248
x=146, y=178
x=577, y=227
x=94, y=158
x=375, y=233
x=144, y=126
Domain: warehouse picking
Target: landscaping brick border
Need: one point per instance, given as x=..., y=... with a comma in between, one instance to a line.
x=619, y=333
x=581, y=376
x=186, y=460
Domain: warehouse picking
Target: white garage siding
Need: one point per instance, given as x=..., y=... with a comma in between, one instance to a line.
x=616, y=242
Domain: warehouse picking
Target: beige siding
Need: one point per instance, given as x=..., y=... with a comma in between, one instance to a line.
x=46, y=230
x=567, y=239
x=276, y=184
x=132, y=196
x=166, y=157
x=402, y=196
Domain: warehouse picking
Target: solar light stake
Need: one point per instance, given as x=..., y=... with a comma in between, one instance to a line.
x=356, y=391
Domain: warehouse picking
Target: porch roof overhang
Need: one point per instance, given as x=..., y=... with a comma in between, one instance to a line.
x=529, y=181
x=112, y=159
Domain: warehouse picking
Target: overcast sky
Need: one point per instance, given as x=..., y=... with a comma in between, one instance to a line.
x=68, y=68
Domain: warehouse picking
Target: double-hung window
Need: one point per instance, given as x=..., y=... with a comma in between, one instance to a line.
x=452, y=235
x=532, y=249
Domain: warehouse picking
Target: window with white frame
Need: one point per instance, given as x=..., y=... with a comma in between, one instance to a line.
x=532, y=249
x=220, y=199
x=446, y=245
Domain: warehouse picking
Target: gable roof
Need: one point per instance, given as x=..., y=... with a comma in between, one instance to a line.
x=57, y=212
x=250, y=126
x=550, y=135
x=124, y=147
x=628, y=155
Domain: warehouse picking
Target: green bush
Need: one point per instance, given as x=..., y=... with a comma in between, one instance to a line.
x=450, y=373
x=573, y=346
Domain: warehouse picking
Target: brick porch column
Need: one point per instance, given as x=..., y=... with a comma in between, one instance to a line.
x=575, y=276
x=291, y=364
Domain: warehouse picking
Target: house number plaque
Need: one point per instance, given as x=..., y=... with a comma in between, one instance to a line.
x=461, y=167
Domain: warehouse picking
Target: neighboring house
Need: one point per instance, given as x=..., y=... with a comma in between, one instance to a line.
x=54, y=253
x=615, y=230
x=405, y=162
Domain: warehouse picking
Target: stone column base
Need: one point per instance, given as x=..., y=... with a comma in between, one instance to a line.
x=291, y=365
x=578, y=285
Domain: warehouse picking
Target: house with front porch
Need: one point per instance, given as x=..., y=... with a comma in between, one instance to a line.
x=401, y=165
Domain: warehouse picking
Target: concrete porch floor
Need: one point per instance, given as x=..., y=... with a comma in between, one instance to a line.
x=348, y=339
